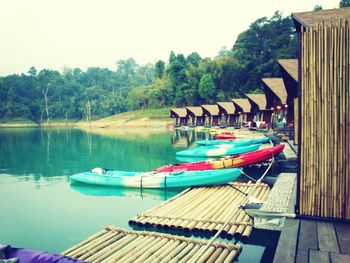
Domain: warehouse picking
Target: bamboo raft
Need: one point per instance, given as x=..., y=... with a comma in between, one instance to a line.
x=204, y=210
x=118, y=245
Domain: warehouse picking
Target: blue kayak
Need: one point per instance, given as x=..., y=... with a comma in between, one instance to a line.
x=157, y=180
x=217, y=150
x=237, y=143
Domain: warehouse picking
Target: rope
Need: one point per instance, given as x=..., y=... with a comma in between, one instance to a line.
x=231, y=217
x=251, y=178
x=165, y=182
x=223, y=164
x=237, y=189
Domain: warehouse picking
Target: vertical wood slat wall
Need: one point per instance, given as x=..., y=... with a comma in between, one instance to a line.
x=325, y=120
x=296, y=121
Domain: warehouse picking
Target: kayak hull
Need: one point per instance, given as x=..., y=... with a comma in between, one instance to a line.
x=237, y=143
x=225, y=136
x=158, y=180
x=234, y=161
x=217, y=151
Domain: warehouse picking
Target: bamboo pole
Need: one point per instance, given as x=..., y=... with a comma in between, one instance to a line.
x=84, y=242
x=108, y=251
x=183, y=253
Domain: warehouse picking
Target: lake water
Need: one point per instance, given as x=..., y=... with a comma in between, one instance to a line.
x=41, y=209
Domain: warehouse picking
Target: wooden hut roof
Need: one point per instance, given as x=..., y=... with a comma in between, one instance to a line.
x=309, y=19
x=229, y=107
x=259, y=99
x=197, y=111
x=276, y=85
x=243, y=103
x=291, y=66
x=180, y=112
x=212, y=109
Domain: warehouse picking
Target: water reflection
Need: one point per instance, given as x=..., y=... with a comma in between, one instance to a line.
x=155, y=194
x=62, y=152
x=187, y=138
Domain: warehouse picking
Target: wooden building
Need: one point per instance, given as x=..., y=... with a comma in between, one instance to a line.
x=179, y=116
x=324, y=118
x=289, y=71
x=243, y=108
x=276, y=99
x=227, y=113
x=211, y=114
x=195, y=115
x=259, y=107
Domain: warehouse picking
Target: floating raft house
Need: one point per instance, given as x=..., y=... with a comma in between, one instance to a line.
x=204, y=210
x=259, y=107
x=118, y=245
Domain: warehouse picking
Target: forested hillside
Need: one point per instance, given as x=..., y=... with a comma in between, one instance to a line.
x=180, y=81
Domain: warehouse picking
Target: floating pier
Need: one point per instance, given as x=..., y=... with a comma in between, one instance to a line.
x=204, y=210
x=118, y=245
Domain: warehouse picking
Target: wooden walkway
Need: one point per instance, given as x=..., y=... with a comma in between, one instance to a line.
x=313, y=241
x=281, y=199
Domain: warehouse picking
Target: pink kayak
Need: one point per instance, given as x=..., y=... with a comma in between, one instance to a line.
x=228, y=162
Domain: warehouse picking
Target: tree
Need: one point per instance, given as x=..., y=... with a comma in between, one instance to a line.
x=318, y=7
x=178, y=78
x=32, y=71
x=138, y=98
x=258, y=48
x=224, y=52
x=344, y=3
x=193, y=59
x=160, y=69
x=207, y=88
x=47, y=80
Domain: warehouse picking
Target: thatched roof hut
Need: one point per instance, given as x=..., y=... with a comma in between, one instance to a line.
x=242, y=105
x=312, y=18
x=276, y=93
x=195, y=111
x=257, y=99
x=212, y=110
x=226, y=107
x=178, y=113
x=290, y=66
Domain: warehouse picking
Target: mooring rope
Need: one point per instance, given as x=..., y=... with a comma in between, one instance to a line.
x=251, y=178
x=235, y=209
x=237, y=189
x=165, y=177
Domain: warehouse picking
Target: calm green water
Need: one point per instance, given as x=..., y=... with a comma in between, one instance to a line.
x=41, y=209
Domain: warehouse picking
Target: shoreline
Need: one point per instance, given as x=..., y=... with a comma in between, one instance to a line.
x=95, y=125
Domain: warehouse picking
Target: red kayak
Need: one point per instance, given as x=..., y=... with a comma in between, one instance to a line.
x=228, y=162
x=225, y=136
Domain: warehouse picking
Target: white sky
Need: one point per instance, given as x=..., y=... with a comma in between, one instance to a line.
x=82, y=33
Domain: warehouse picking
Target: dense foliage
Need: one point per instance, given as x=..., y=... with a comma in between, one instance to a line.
x=73, y=94
x=190, y=80
x=344, y=3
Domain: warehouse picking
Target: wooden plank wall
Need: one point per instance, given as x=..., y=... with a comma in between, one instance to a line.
x=296, y=121
x=325, y=131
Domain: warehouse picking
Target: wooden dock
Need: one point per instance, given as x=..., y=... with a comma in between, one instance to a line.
x=281, y=199
x=204, y=210
x=118, y=245
x=314, y=242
